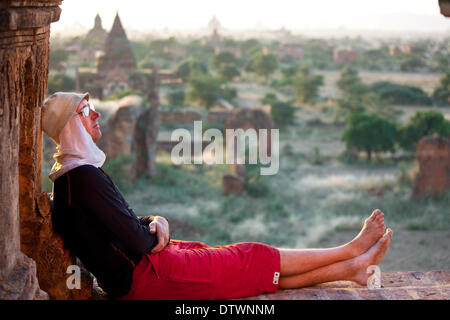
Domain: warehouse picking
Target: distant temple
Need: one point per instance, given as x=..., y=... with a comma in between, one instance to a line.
x=216, y=40
x=347, y=55
x=97, y=33
x=214, y=25
x=116, y=68
x=117, y=52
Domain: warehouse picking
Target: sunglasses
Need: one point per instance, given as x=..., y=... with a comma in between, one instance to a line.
x=87, y=110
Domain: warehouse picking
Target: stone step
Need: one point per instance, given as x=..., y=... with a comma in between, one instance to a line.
x=411, y=285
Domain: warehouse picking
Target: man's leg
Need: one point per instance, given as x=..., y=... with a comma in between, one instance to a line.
x=353, y=269
x=295, y=261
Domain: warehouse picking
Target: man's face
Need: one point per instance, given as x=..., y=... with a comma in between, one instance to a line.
x=90, y=122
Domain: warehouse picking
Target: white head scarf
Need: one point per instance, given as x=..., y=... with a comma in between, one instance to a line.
x=75, y=148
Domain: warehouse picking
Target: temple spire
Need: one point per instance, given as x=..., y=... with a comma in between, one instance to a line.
x=117, y=51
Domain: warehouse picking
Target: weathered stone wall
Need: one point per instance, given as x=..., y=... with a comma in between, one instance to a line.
x=344, y=56
x=145, y=133
x=219, y=116
x=245, y=118
x=178, y=116
x=117, y=135
x=233, y=184
x=433, y=155
x=26, y=230
x=255, y=118
x=24, y=45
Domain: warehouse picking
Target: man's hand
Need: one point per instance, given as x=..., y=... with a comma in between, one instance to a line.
x=161, y=227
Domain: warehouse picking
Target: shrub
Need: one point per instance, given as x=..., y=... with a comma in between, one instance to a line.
x=401, y=94
x=350, y=83
x=256, y=184
x=188, y=68
x=441, y=94
x=229, y=71
x=214, y=125
x=421, y=124
x=119, y=169
x=176, y=96
x=226, y=64
x=60, y=82
x=206, y=89
x=57, y=59
x=282, y=113
x=228, y=92
x=124, y=93
x=269, y=98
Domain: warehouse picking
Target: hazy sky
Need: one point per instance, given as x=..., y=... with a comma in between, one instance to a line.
x=240, y=14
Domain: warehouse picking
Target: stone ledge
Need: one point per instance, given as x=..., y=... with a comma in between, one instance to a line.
x=411, y=285
x=28, y=18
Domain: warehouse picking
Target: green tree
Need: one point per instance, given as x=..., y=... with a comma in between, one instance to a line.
x=411, y=63
x=441, y=94
x=224, y=58
x=263, y=64
x=60, y=82
x=188, y=67
x=350, y=83
x=307, y=84
x=206, y=89
x=229, y=71
x=282, y=113
x=176, y=96
x=369, y=133
x=249, y=44
x=399, y=94
x=269, y=98
x=421, y=124
x=290, y=71
x=57, y=58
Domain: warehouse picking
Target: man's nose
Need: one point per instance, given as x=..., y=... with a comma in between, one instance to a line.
x=95, y=114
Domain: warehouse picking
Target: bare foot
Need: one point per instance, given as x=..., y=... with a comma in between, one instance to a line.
x=372, y=230
x=372, y=257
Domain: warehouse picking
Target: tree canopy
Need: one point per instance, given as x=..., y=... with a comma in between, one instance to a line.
x=421, y=124
x=307, y=84
x=369, y=133
x=441, y=94
x=263, y=64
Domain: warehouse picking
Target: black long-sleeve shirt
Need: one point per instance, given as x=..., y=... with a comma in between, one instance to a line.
x=100, y=228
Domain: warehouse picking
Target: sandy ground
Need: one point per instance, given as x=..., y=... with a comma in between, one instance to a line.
x=409, y=250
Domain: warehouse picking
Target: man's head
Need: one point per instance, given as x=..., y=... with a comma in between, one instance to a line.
x=89, y=119
x=60, y=107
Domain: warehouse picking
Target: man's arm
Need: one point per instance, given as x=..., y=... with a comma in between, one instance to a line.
x=93, y=192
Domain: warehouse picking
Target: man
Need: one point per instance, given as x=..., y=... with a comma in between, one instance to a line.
x=132, y=257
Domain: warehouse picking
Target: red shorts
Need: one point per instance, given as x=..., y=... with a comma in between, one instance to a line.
x=191, y=270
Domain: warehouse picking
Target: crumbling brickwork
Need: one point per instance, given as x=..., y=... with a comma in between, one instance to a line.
x=117, y=135
x=433, y=155
x=24, y=36
x=28, y=245
x=178, y=116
